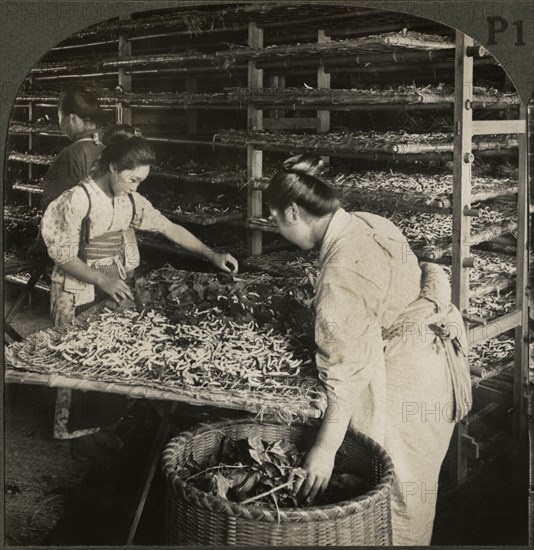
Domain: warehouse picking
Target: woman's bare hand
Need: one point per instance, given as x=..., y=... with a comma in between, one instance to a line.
x=116, y=288
x=318, y=463
x=225, y=261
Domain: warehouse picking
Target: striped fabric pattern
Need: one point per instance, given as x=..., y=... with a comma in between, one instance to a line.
x=105, y=246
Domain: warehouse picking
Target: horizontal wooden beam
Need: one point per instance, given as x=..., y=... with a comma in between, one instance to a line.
x=493, y=127
x=494, y=328
x=404, y=68
x=35, y=189
x=396, y=107
x=185, y=141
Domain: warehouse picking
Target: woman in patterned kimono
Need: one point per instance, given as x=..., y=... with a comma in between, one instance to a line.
x=79, y=117
x=389, y=344
x=84, y=230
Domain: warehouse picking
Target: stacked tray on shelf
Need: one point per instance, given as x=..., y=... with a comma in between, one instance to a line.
x=235, y=56
x=430, y=235
x=30, y=157
x=402, y=95
x=492, y=305
x=194, y=22
x=22, y=279
x=206, y=213
x=35, y=128
x=295, y=97
x=20, y=228
x=490, y=358
x=108, y=95
x=35, y=187
x=420, y=189
x=492, y=273
x=289, y=263
x=194, y=172
x=17, y=269
x=347, y=143
x=14, y=263
x=194, y=206
x=19, y=215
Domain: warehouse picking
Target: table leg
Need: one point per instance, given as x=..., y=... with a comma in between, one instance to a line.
x=155, y=453
x=35, y=276
x=12, y=333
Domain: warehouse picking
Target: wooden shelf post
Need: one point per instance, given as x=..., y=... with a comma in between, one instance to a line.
x=31, y=146
x=124, y=114
x=461, y=228
x=277, y=82
x=254, y=155
x=521, y=359
x=323, y=82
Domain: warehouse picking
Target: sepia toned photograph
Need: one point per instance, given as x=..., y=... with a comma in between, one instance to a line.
x=266, y=277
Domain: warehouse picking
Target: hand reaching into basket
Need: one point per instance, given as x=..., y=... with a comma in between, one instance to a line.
x=319, y=464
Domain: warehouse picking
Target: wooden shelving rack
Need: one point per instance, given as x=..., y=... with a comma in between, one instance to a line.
x=252, y=66
x=465, y=129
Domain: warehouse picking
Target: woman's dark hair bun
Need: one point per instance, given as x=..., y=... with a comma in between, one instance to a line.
x=306, y=163
x=298, y=182
x=120, y=133
x=125, y=147
x=81, y=101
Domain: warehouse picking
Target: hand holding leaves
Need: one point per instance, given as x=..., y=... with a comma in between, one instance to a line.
x=318, y=464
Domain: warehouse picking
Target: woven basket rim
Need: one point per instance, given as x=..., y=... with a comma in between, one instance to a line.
x=312, y=513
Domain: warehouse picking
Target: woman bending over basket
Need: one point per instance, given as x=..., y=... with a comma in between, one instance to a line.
x=389, y=344
x=84, y=230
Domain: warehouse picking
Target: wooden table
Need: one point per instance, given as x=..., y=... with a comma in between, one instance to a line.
x=171, y=400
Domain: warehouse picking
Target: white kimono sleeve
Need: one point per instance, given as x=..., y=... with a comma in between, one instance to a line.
x=350, y=358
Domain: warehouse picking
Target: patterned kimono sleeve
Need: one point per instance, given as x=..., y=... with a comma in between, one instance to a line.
x=61, y=225
x=348, y=337
x=147, y=217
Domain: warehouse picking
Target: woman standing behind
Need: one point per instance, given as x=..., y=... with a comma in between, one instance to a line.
x=84, y=230
x=386, y=372
x=79, y=116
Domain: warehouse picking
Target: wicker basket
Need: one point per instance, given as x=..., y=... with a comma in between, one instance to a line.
x=197, y=518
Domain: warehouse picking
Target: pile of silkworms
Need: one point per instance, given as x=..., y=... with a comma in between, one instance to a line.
x=214, y=353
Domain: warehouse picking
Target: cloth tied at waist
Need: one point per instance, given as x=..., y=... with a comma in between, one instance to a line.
x=434, y=309
x=119, y=264
x=101, y=253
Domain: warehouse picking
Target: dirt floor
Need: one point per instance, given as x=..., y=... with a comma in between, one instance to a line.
x=54, y=499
